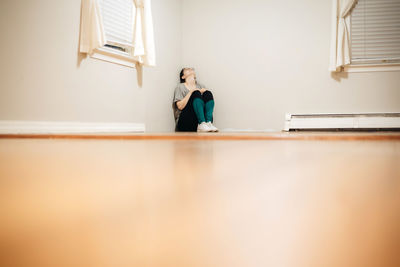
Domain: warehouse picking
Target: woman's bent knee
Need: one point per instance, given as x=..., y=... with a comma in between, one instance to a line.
x=196, y=94
x=207, y=96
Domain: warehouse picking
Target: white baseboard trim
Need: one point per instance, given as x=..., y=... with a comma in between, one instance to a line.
x=356, y=121
x=67, y=127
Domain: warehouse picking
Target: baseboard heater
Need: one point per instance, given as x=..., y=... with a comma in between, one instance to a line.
x=349, y=122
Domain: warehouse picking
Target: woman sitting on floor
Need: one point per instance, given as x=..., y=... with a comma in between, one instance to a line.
x=193, y=105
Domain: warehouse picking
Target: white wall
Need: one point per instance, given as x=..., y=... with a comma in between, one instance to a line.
x=263, y=58
x=162, y=82
x=42, y=78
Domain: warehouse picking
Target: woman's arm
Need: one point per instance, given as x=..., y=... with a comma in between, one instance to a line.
x=182, y=103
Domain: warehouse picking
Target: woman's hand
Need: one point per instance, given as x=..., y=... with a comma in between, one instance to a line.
x=202, y=90
x=193, y=90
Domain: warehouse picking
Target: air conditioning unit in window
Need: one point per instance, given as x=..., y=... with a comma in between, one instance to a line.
x=355, y=121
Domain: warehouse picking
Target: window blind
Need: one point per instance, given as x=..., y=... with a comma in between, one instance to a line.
x=375, y=32
x=118, y=18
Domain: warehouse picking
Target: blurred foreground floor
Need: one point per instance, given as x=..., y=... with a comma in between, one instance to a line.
x=200, y=203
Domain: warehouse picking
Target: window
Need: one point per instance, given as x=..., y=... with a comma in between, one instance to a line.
x=375, y=33
x=118, y=21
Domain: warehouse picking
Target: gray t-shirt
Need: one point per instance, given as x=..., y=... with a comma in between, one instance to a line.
x=180, y=92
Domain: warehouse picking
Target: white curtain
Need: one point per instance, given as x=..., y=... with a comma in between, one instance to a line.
x=340, y=38
x=92, y=34
x=143, y=38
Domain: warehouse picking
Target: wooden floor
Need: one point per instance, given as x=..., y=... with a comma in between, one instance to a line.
x=331, y=136
x=225, y=200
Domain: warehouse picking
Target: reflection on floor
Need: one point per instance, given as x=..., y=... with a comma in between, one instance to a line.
x=307, y=200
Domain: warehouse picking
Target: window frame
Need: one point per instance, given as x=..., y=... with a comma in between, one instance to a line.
x=372, y=67
x=115, y=56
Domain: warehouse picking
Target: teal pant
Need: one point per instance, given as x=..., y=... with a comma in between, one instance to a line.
x=204, y=111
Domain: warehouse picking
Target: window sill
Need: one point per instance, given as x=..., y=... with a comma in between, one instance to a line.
x=372, y=68
x=110, y=55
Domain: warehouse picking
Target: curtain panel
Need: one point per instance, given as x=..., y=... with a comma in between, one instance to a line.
x=340, y=34
x=143, y=38
x=92, y=33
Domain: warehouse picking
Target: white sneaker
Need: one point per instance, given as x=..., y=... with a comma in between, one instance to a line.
x=203, y=127
x=212, y=127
